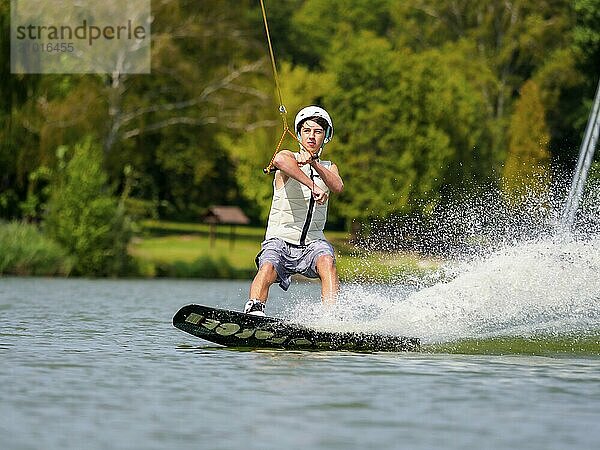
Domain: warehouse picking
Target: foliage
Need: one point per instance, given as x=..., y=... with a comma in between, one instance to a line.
x=84, y=216
x=586, y=34
x=409, y=128
x=314, y=42
x=425, y=96
x=24, y=250
x=205, y=63
x=527, y=167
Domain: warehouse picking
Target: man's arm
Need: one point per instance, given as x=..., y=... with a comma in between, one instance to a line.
x=286, y=163
x=330, y=176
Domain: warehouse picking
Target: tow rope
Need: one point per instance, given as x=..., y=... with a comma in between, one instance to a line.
x=282, y=111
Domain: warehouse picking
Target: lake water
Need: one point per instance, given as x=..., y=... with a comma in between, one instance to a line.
x=96, y=364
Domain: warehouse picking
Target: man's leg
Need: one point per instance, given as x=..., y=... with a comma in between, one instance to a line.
x=266, y=276
x=330, y=282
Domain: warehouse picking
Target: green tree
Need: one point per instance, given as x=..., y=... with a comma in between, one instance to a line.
x=84, y=216
x=409, y=132
x=586, y=34
x=437, y=96
x=15, y=90
x=314, y=39
x=205, y=68
x=514, y=39
x=527, y=167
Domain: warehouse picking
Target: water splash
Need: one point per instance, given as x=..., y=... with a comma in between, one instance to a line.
x=548, y=287
x=586, y=155
x=531, y=281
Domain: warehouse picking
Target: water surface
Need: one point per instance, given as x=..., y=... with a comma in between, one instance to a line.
x=96, y=364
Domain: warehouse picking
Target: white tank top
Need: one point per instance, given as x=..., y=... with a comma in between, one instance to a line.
x=295, y=217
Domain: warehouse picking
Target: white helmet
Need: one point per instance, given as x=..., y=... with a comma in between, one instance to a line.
x=314, y=111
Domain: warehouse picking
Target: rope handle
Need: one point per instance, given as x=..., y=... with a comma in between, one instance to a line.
x=271, y=166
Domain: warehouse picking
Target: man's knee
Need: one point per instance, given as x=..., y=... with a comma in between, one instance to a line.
x=267, y=270
x=325, y=263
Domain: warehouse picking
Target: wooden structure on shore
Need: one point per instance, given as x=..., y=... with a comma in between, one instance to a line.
x=225, y=215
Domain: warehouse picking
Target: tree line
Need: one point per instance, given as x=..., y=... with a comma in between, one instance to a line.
x=432, y=101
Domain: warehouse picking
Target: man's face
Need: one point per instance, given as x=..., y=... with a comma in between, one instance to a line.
x=312, y=136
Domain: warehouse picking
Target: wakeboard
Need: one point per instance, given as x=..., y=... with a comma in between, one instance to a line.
x=236, y=329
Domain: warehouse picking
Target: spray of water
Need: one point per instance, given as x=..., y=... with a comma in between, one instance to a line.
x=586, y=155
x=546, y=286
x=519, y=277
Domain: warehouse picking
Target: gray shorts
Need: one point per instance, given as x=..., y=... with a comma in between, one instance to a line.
x=289, y=259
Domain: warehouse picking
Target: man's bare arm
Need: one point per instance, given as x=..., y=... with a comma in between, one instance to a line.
x=286, y=163
x=330, y=176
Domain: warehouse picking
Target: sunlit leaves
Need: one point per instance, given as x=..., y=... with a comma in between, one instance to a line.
x=527, y=167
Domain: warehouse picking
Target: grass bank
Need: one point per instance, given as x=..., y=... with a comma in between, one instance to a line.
x=581, y=345
x=193, y=250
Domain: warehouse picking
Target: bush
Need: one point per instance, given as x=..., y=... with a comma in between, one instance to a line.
x=25, y=251
x=85, y=216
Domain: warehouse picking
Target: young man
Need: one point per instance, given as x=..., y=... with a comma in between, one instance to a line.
x=294, y=241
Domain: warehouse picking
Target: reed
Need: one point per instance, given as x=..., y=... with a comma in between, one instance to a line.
x=24, y=250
